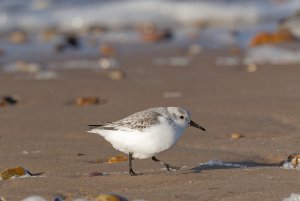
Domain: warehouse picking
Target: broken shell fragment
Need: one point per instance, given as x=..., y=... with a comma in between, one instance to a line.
x=116, y=75
x=107, y=50
x=108, y=197
x=236, y=136
x=117, y=159
x=8, y=100
x=92, y=100
x=95, y=174
x=279, y=36
x=251, y=68
x=108, y=63
x=34, y=198
x=14, y=172
x=294, y=159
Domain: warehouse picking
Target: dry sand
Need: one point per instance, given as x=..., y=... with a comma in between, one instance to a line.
x=263, y=106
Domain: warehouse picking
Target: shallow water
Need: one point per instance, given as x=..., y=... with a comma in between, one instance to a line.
x=214, y=24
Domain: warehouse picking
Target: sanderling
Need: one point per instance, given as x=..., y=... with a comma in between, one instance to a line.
x=144, y=134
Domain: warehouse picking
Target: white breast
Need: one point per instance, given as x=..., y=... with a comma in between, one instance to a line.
x=148, y=143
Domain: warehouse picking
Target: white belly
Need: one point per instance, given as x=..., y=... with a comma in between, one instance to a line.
x=144, y=144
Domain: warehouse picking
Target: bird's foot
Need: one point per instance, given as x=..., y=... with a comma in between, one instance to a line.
x=171, y=167
x=132, y=173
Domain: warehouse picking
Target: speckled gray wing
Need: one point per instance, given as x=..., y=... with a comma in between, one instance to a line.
x=138, y=121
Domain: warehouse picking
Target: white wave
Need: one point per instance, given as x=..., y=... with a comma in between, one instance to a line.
x=167, y=13
x=269, y=54
x=293, y=197
x=218, y=162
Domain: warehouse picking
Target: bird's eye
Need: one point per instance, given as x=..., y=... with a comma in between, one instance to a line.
x=181, y=117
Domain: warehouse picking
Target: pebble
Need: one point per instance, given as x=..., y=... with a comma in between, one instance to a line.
x=13, y=172
x=91, y=100
x=107, y=50
x=8, y=101
x=292, y=162
x=116, y=75
x=172, y=94
x=34, y=198
x=251, y=68
x=236, y=136
x=117, y=159
x=108, y=197
x=17, y=37
x=108, y=63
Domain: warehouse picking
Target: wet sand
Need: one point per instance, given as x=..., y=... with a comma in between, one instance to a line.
x=262, y=106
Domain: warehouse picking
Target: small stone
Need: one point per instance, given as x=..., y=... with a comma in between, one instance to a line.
x=13, y=172
x=251, y=68
x=2, y=103
x=294, y=159
x=91, y=100
x=57, y=199
x=72, y=41
x=117, y=159
x=25, y=152
x=107, y=197
x=236, y=136
x=34, y=198
x=116, y=75
x=108, y=63
x=48, y=34
x=8, y=101
x=95, y=174
x=172, y=94
x=18, y=37
x=107, y=50
x=279, y=36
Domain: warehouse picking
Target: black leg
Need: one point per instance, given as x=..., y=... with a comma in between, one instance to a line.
x=168, y=166
x=131, y=172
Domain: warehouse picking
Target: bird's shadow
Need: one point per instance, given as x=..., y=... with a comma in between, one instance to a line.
x=233, y=165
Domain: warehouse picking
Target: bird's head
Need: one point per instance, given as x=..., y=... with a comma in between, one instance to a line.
x=182, y=117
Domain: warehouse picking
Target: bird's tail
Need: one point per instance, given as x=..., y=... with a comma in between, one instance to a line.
x=93, y=126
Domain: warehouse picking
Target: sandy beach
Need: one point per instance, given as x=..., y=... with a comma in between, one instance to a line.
x=44, y=133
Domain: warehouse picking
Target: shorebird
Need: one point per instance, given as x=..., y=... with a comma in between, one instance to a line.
x=146, y=133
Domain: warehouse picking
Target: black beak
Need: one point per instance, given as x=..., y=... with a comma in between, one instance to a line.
x=196, y=125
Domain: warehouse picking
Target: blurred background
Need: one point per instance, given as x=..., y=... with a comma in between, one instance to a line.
x=234, y=64
x=55, y=31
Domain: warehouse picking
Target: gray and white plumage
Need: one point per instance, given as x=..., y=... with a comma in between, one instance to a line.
x=147, y=133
